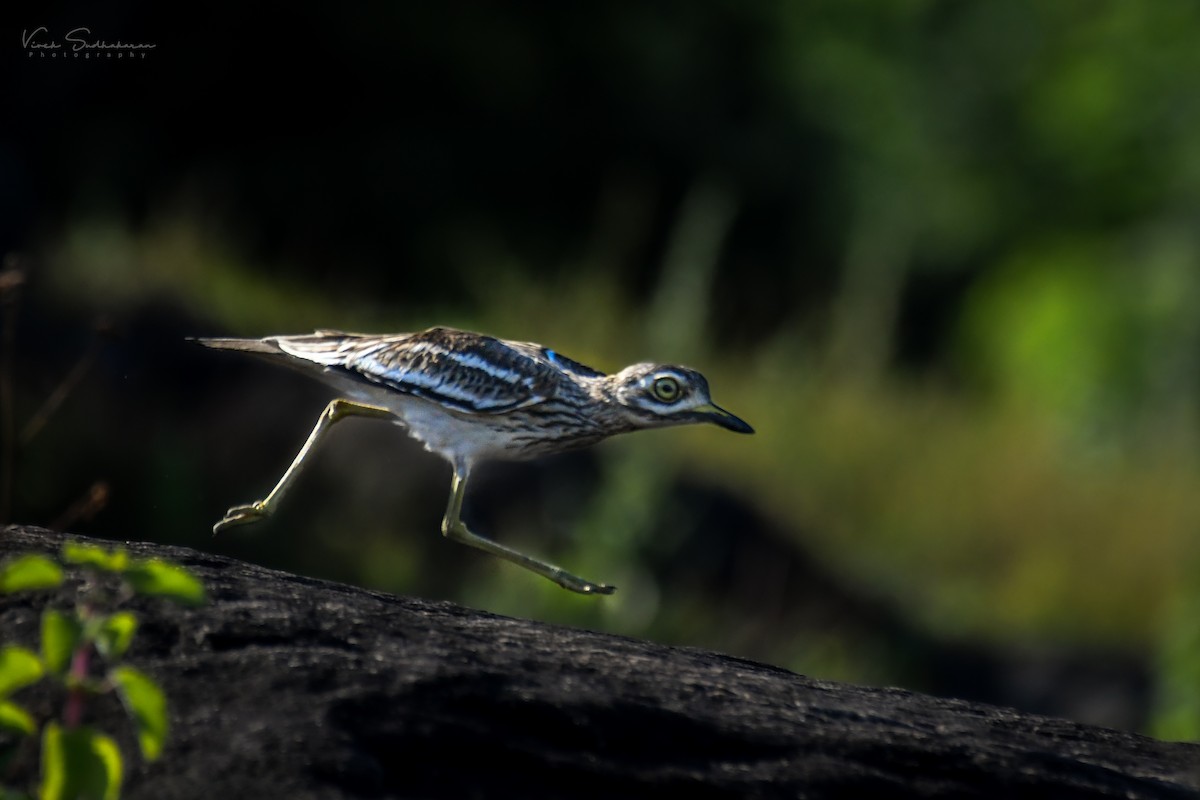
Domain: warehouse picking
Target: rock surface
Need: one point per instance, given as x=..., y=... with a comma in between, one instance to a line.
x=289, y=687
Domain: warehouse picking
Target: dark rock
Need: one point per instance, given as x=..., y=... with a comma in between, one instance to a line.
x=289, y=687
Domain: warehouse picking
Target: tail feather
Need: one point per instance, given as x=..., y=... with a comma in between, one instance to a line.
x=305, y=353
x=262, y=346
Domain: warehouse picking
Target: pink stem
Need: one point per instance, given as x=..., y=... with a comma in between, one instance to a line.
x=76, y=695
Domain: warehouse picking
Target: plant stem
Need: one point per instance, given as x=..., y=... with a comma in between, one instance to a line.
x=76, y=693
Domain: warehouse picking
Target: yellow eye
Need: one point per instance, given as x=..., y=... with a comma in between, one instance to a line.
x=666, y=389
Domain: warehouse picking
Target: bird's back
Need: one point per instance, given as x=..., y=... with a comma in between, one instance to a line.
x=466, y=372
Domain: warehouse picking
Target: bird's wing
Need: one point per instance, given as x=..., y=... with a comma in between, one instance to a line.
x=463, y=371
x=545, y=354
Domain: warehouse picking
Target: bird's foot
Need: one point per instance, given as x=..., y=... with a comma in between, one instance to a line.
x=577, y=584
x=242, y=515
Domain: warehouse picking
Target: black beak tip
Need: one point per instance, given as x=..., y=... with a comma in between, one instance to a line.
x=730, y=422
x=739, y=426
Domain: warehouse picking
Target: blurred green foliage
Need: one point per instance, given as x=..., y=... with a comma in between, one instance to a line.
x=942, y=256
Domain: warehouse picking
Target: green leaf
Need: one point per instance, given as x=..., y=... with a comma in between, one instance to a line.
x=60, y=637
x=164, y=579
x=29, y=572
x=12, y=794
x=115, y=634
x=90, y=555
x=79, y=764
x=15, y=718
x=18, y=668
x=147, y=706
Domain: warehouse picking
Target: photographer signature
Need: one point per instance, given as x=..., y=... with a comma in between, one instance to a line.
x=79, y=40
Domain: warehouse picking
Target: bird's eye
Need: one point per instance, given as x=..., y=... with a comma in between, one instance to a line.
x=666, y=389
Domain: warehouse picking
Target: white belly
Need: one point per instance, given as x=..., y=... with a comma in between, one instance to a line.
x=455, y=437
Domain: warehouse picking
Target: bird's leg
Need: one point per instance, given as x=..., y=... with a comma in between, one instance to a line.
x=453, y=528
x=337, y=410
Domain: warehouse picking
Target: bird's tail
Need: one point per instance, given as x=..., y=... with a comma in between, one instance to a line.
x=267, y=349
x=264, y=347
x=305, y=353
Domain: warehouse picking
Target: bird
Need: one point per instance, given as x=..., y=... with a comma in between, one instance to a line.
x=470, y=398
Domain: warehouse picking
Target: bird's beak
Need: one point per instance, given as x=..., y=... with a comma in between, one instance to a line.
x=713, y=413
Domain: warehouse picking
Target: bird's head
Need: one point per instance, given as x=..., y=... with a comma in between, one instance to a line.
x=657, y=395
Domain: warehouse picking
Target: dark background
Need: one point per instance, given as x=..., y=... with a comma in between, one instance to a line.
x=942, y=256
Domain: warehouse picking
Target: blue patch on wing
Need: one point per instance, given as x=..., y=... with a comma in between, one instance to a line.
x=570, y=365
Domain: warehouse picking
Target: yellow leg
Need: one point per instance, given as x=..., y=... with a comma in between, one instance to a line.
x=454, y=529
x=260, y=509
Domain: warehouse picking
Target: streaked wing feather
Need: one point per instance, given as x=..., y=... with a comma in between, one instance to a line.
x=464, y=371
